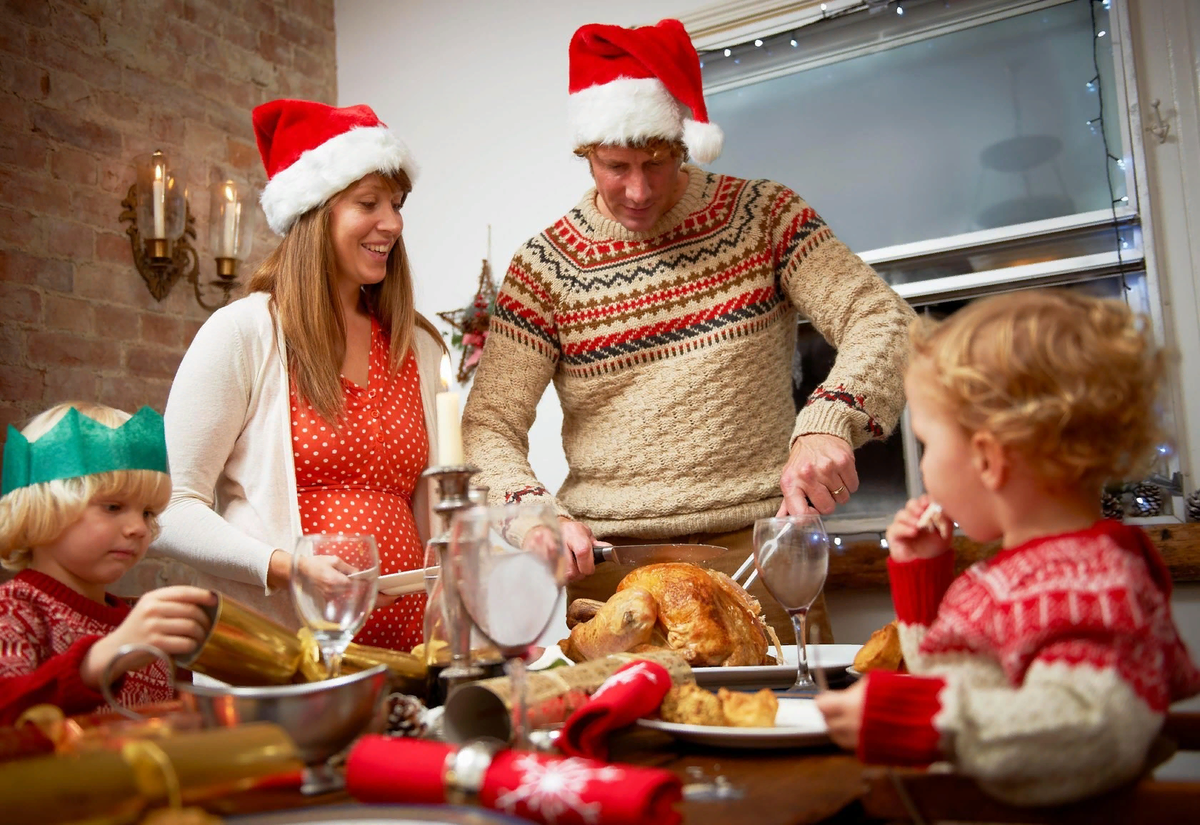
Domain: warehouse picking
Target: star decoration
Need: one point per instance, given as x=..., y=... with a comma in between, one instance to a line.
x=470, y=324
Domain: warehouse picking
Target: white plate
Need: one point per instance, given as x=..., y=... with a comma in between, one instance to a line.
x=797, y=724
x=832, y=658
x=401, y=584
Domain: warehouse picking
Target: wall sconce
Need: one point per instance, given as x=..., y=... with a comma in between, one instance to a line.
x=231, y=230
x=161, y=228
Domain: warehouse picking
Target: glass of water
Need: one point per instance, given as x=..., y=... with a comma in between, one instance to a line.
x=334, y=582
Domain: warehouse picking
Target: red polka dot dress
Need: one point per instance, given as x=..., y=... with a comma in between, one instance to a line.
x=360, y=478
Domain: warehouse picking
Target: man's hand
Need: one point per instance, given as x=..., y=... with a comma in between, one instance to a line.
x=843, y=711
x=578, y=539
x=821, y=469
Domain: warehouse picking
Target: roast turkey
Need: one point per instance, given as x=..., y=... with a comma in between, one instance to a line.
x=699, y=613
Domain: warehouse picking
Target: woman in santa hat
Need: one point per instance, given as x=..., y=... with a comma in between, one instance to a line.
x=306, y=407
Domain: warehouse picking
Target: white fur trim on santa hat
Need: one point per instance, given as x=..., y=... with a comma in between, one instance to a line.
x=624, y=111
x=703, y=140
x=322, y=172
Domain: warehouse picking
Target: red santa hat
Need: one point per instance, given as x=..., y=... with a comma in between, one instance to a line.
x=628, y=85
x=312, y=151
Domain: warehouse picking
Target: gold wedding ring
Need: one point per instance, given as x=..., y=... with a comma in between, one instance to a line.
x=838, y=490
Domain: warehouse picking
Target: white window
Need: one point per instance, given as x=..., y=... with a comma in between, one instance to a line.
x=962, y=149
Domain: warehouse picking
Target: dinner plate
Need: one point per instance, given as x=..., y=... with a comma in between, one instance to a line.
x=833, y=659
x=797, y=724
x=401, y=584
x=391, y=814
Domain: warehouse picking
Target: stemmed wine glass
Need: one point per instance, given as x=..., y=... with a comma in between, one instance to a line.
x=791, y=554
x=512, y=567
x=334, y=581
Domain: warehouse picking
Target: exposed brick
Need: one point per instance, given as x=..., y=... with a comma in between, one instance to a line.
x=274, y=48
x=67, y=92
x=240, y=35
x=117, y=106
x=29, y=12
x=20, y=382
x=152, y=362
x=75, y=166
x=12, y=345
x=190, y=328
x=75, y=27
x=19, y=304
x=162, y=329
x=130, y=393
x=45, y=49
x=70, y=128
x=20, y=229
x=70, y=385
x=117, y=322
x=72, y=240
x=27, y=151
x=11, y=414
x=22, y=268
x=24, y=79
x=12, y=113
x=167, y=128
x=66, y=313
x=312, y=67
x=296, y=29
x=242, y=155
x=99, y=208
x=113, y=248
x=33, y=193
x=260, y=15
x=107, y=282
x=61, y=349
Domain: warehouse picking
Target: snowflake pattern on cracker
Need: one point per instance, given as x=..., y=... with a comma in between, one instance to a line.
x=549, y=790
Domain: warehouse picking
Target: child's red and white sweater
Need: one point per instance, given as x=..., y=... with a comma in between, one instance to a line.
x=46, y=630
x=1044, y=672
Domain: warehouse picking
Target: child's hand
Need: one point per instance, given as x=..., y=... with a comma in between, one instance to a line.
x=843, y=710
x=170, y=618
x=908, y=540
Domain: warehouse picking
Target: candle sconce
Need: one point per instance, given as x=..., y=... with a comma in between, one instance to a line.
x=162, y=228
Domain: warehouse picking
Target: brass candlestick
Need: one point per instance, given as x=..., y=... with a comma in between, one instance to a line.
x=452, y=488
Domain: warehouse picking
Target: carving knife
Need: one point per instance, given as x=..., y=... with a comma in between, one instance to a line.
x=635, y=554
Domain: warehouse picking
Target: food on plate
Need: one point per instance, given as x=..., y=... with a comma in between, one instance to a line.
x=690, y=704
x=700, y=614
x=882, y=651
x=749, y=710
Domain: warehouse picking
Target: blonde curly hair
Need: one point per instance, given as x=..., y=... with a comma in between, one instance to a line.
x=37, y=515
x=1067, y=380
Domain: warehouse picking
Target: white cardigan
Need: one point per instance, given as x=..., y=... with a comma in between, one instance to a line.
x=229, y=445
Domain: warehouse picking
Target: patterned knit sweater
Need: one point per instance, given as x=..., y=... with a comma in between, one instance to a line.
x=1044, y=672
x=46, y=630
x=671, y=353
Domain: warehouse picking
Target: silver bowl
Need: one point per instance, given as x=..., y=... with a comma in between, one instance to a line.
x=322, y=718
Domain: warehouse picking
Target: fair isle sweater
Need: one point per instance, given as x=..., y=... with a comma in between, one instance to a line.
x=671, y=353
x=46, y=631
x=1044, y=672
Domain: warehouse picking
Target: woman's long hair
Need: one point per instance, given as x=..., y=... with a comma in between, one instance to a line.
x=299, y=277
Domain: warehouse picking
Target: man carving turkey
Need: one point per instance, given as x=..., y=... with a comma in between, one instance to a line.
x=664, y=308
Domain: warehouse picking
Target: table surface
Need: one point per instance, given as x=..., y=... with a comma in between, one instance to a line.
x=778, y=787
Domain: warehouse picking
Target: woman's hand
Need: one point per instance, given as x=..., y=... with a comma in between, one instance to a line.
x=843, y=711
x=170, y=618
x=908, y=540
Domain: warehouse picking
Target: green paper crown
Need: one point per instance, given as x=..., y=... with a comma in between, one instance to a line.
x=78, y=445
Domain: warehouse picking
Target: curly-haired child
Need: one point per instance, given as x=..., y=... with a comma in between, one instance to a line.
x=1045, y=672
x=82, y=485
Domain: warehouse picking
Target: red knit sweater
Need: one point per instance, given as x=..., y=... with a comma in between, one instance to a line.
x=46, y=630
x=1045, y=672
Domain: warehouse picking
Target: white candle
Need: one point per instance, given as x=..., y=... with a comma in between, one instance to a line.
x=232, y=212
x=450, y=447
x=159, y=203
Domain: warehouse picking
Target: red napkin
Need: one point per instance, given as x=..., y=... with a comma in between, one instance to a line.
x=549, y=789
x=629, y=694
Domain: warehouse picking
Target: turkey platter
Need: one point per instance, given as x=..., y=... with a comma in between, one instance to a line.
x=701, y=614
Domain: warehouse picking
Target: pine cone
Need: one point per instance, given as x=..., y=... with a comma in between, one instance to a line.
x=1193, y=506
x=1147, y=500
x=405, y=715
x=1111, y=505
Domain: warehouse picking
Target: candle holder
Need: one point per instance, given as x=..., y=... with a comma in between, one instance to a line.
x=452, y=491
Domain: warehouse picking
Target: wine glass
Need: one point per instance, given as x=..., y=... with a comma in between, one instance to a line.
x=791, y=554
x=334, y=581
x=512, y=567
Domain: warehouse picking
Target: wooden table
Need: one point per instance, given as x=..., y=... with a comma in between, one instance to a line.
x=779, y=787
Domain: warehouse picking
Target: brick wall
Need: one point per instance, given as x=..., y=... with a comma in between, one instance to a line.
x=85, y=86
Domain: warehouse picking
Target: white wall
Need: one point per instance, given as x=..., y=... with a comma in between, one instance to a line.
x=478, y=90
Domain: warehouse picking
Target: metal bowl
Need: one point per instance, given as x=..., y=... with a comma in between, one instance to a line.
x=321, y=717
